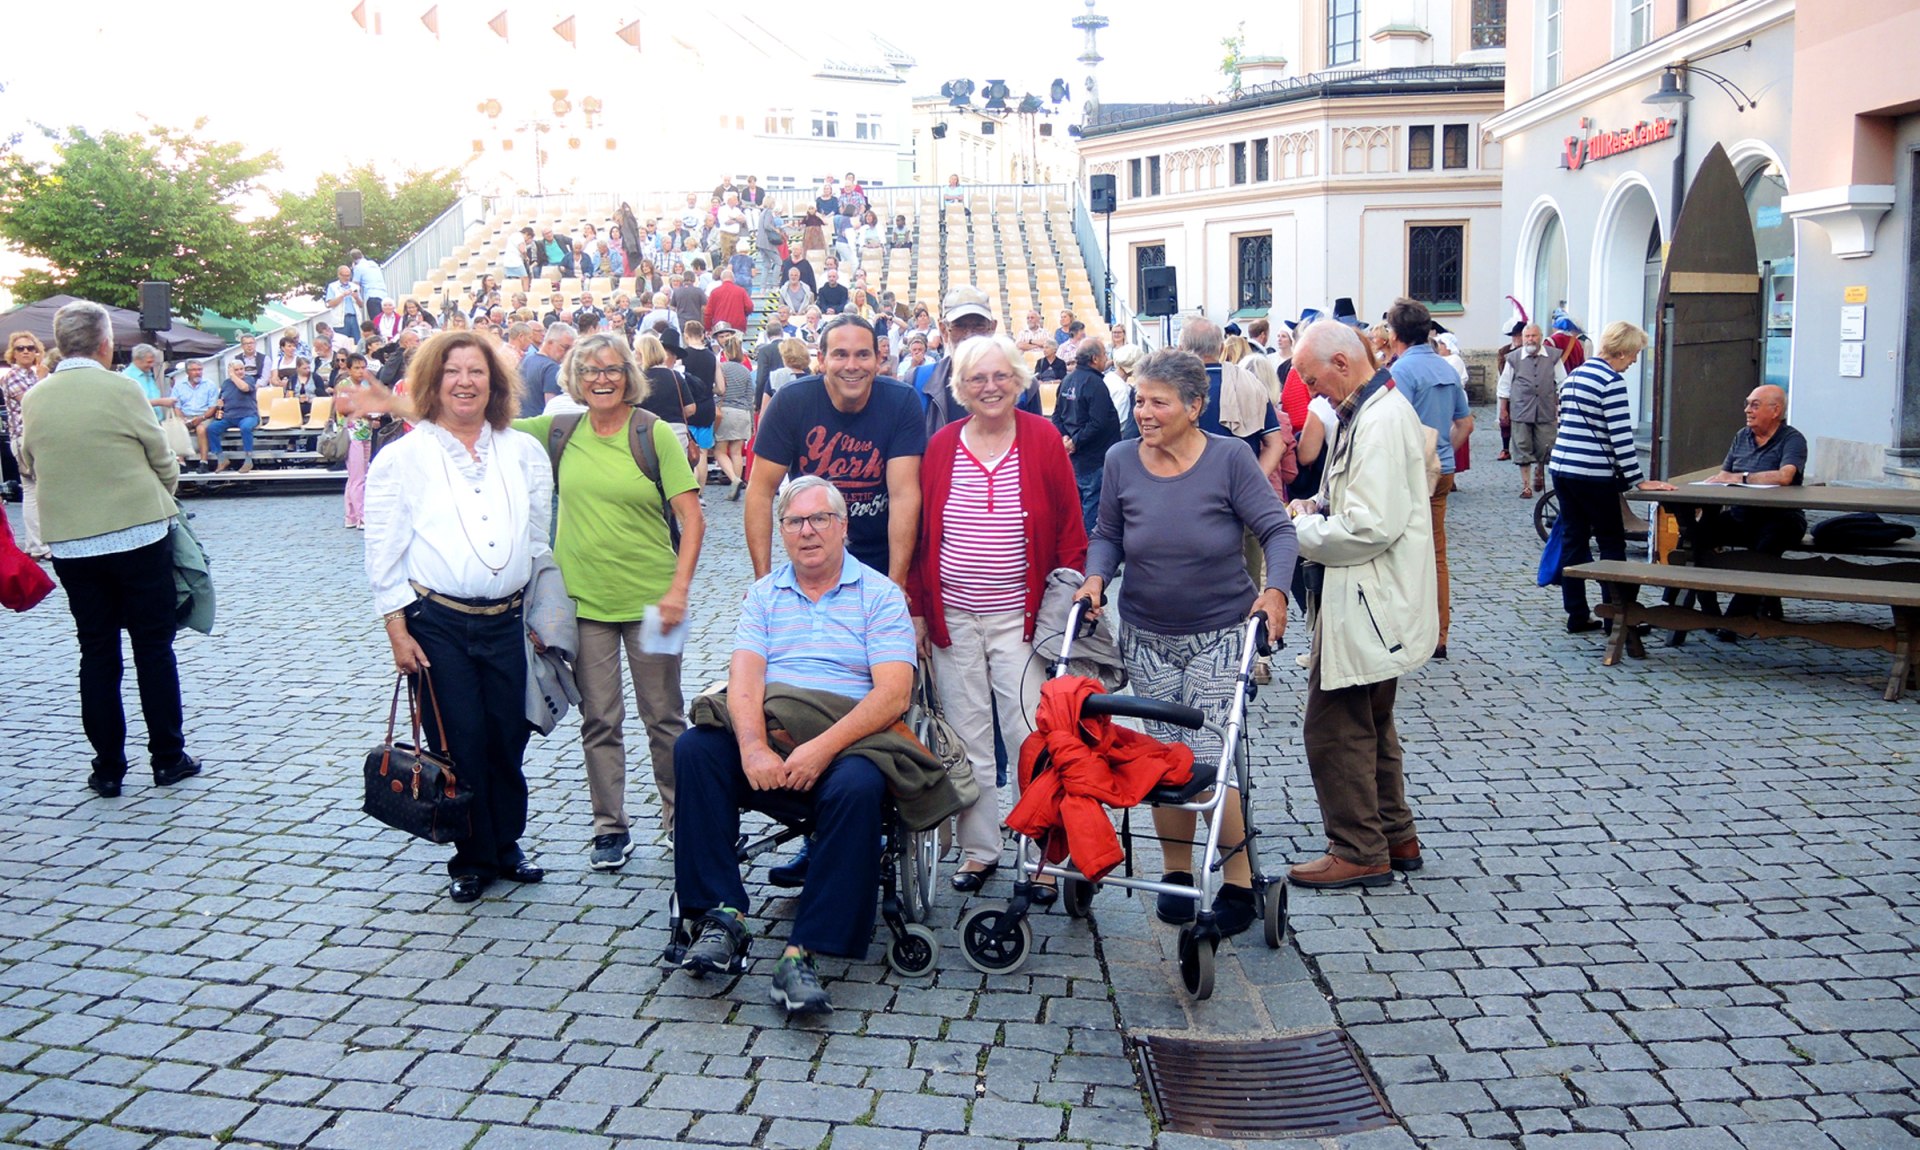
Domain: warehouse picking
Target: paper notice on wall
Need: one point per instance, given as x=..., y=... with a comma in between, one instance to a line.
x=1853, y=360
x=1853, y=321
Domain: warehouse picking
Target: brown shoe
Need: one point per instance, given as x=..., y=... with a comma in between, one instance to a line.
x=1330, y=873
x=1526, y=493
x=1405, y=856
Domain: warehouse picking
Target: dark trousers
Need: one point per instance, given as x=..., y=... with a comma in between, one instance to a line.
x=843, y=871
x=131, y=591
x=1353, y=752
x=1763, y=530
x=478, y=664
x=1589, y=509
x=1089, y=484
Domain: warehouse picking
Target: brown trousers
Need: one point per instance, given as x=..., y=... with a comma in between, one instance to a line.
x=1442, y=588
x=603, y=712
x=1353, y=752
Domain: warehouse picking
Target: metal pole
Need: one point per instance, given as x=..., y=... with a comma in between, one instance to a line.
x=1109, y=270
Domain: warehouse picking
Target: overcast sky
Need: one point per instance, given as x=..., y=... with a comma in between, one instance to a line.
x=300, y=77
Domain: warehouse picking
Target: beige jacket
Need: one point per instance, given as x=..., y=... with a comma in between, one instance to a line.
x=1379, y=607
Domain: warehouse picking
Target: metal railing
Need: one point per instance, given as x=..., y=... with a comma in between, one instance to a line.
x=420, y=258
x=1091, y=250
x=886, y=200
x=1345, y=81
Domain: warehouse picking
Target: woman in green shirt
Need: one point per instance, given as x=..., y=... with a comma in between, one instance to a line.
x=614, y=550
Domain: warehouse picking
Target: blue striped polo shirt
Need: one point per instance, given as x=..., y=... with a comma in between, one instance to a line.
x=831, y=645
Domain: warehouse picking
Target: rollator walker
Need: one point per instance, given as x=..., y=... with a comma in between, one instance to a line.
x=996, y=941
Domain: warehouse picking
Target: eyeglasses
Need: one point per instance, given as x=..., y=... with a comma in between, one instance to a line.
x=598, y=372
x=819, y=521
x=27, y=347
x=1003, y=378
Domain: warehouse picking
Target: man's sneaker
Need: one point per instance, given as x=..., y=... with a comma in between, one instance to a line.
x=796, y=986
x=719, y=945
x=610, y=852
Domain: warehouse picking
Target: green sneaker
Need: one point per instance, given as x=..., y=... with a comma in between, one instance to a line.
x=796, y=986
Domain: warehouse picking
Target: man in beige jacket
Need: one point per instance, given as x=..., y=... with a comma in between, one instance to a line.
x=106, y=479
x=1370, y=529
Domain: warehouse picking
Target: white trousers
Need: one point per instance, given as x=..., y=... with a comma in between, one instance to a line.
x=30, y=515
x=988, y=663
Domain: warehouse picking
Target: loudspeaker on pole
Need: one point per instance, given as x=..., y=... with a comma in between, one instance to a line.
x=1162, y=297
x=156, y=305
x=347, y=209
x=1102, y=194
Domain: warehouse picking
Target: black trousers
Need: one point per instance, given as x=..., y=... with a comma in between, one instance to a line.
x=1765, y=530
x=131, y=591
x=478, y=665
x=1589, y=510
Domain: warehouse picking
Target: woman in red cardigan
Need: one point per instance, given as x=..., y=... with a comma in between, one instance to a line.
x=999, y=510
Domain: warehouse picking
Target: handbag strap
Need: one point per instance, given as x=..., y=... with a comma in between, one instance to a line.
x=393, y=712
x=413, y=706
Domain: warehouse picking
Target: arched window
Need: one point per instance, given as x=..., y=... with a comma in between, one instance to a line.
x=1549, y=270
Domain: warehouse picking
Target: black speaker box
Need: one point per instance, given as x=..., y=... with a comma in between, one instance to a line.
x=1103, y=194
x=1161, y=295
x=156, y=305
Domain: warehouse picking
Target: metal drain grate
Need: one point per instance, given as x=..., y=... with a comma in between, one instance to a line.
x=1305, y=1085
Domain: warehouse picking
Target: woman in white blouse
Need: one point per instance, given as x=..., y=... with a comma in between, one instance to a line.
x=456, y=512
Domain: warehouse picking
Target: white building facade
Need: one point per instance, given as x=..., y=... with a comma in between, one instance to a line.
x=1367, y=174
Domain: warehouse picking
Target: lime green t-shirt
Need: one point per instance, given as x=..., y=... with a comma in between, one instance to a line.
x=611, y=543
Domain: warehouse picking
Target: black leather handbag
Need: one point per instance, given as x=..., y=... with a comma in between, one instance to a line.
x=411, y=787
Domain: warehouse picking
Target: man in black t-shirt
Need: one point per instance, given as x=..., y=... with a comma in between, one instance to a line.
x=863, y=433
x=832, y=296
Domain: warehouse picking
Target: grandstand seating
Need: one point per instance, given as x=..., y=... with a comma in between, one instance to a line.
x=1016, y=244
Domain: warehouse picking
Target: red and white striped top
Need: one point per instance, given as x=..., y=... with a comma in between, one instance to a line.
x=983, y=545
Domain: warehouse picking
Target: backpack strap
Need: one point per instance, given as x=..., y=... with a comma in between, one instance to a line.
x=559, y=432
x=646, y=454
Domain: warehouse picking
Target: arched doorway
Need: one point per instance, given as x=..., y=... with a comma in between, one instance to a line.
x=1764, y=187
x=1628, y=256
x=1549, y=259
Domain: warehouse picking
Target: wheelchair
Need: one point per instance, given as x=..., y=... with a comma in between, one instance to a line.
x=996, y=941
x=909, y=864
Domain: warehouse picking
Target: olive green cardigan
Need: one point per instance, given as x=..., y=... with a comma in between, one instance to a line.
x=101, y=462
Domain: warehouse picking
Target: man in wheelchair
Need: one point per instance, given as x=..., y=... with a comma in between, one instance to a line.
x=830, y=638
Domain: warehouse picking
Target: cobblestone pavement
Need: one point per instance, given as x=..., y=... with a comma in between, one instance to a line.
x=1666, y=905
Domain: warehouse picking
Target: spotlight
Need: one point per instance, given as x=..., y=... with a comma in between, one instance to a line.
x=1074, y=131
x=1029, y=104
x=959, y=93
x=939, y=131
x=996, y=93
x=986, y=127
x=1059, y=93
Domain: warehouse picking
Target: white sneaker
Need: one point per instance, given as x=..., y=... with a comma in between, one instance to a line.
x=1304, y=659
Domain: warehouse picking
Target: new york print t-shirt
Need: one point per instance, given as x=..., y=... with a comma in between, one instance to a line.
x=803, y=432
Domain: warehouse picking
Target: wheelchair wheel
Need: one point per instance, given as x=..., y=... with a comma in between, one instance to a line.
x=989, y=953
x=1076, y=896
x=1276, y=912
x=1196, y=964
x=1545, y=511
x=913, y=954
x=919, y=862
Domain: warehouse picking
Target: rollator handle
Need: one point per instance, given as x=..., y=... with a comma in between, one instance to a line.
x=1262, y=642
x=1135, y=707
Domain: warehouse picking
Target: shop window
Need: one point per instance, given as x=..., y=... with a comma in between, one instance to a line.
x=1453, y=145
x=1254, y=264
x=1489, y=24
x=1343, y=32
x=1435, y=257
x=1420, y=148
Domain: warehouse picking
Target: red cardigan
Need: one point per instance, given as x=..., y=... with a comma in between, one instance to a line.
x=1049, y=501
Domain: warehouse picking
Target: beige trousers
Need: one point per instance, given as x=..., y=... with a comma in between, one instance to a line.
x=603, y=710
x=988, y=663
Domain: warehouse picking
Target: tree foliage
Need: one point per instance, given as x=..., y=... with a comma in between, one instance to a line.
x=112, y=209
x=1236, y=51
x=392, y=213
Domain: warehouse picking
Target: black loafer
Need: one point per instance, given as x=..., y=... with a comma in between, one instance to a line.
x=1583, y=625
x=968, y=881
x=1044, y=894
x=466, y=888
x=522, y=871
x=186, y=768
x=1172, y=908
x=105, y=787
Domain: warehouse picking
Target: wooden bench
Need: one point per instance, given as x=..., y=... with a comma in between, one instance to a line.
x=1902, y=597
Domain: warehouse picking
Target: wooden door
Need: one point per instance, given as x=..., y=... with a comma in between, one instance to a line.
x=1707, y=350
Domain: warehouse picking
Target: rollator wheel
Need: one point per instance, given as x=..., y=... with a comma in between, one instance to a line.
x=989, y=954
x=1076, y=896
x=913, y=954
x=678, y=936
x=919, y=864
x=1196, y=964
x=1276, y=913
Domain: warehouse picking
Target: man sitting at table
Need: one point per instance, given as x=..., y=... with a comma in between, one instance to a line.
x=827, y=625
x=1766, y=451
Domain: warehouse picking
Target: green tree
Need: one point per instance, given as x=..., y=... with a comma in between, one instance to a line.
x=392, y=214
x=109, y=210
x=1236, y=51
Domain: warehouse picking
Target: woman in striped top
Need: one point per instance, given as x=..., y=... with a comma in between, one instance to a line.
x=1593, y=461
x=999, y=510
